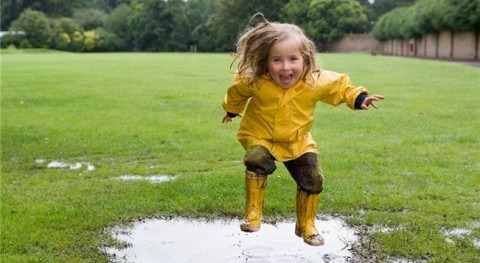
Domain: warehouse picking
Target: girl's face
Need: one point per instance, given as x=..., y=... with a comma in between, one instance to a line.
x=285, y=63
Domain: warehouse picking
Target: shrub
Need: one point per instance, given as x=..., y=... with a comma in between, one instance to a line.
x=38, y=33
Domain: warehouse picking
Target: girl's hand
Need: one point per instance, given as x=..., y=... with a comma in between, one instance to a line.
x=370, y=100
x=226, y=119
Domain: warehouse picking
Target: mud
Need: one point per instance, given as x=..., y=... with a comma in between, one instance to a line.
x=187, y=240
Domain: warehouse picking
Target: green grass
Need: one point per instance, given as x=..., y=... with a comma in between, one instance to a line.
x=412, y=166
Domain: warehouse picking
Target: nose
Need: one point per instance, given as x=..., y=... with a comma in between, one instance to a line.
x=286, y=65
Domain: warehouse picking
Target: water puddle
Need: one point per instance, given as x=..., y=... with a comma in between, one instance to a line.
x=188, y=240
x=63, y=165
x=152, y=178
x=402, y=260
x=461, y=233
x=476, y=243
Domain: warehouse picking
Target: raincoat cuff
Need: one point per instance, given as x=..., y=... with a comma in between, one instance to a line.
x=359, y=100
x=232, y=115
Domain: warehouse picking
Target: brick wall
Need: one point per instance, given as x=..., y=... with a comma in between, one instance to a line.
x=446, y=45
x=351, y=43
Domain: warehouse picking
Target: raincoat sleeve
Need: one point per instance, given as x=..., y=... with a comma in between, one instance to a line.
x=237, y=97
x=338, y=89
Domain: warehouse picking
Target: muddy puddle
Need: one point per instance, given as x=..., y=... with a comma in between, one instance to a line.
x=188, y=240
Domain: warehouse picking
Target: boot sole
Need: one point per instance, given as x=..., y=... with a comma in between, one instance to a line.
x=315, y=240
x=248, y=228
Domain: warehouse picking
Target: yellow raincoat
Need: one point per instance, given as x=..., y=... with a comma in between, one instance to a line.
x=281, y=119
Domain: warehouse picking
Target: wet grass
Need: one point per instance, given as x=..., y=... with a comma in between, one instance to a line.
x=412, y=166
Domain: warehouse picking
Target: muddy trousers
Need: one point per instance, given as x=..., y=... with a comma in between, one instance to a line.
x=305, y=171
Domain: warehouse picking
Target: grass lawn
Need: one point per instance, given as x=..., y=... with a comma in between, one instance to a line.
x=411, y=167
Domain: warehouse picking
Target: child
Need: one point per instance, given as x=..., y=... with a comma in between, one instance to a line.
x=278, y=84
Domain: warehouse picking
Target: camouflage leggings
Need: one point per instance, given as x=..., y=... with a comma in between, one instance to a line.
x=305, y=170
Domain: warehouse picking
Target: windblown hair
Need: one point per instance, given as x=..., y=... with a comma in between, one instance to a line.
x=253, y=46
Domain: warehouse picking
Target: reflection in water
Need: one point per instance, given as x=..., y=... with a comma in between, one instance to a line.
x=188, y=240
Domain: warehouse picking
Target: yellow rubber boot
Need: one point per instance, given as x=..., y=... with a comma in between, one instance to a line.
x=255, y=185
x=306, y=214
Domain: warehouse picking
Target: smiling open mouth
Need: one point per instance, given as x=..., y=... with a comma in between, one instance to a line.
x=286, y=79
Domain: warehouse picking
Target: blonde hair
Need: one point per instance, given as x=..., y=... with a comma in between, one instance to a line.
x=253, y=47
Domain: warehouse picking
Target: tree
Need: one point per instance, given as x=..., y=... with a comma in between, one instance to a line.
x=407, y=23
x=108, y=41
x=367, y=9
x=159, y=25
x=380, y=7
x=117, y=23
x=394, y=24
x=475, y=16
x=89, y=18
x=326, y=20
x=233, y=16
x=145, y=28
x=295, y=11
x=178, y=29
x=428, y=16
x=106, y=5
x=63, y=29
x=332, y=19
x=35, y=24
x=199, y=13
x=380, y=29
x=11, y=9
x=462, y=15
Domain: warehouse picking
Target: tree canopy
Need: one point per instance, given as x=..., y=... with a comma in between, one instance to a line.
x=428, y=16
x=37, y=24
x=214, y=25
x=332, y=19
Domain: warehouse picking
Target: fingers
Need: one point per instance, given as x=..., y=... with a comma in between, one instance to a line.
x=371, y=101
x=376, y=98
x=226, y=119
